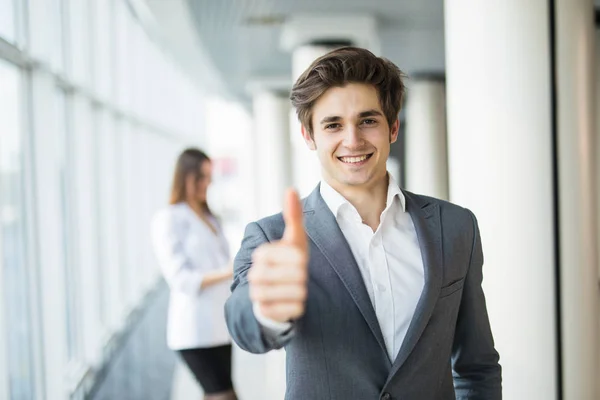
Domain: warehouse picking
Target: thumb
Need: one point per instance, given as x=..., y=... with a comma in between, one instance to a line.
x=292, y=215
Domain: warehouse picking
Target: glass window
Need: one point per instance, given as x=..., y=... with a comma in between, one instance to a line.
x=66, y=202
x=16, y=299
x=123, y=51
x=85, y=225
x=104, y=32
x=79, y=41
x=109, y=222
x=119, y=188
x=7, y=20
x=129, y=212
x=58, y=8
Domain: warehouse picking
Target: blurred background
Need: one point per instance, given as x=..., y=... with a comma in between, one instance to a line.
x=98, y=97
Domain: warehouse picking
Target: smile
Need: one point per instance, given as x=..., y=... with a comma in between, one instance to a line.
x=355, y=159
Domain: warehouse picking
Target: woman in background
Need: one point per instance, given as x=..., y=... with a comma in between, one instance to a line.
x=194, y=258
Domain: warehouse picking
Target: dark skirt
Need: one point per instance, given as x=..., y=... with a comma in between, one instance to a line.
x=211, y=366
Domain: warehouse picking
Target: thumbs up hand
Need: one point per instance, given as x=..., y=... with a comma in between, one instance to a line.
x=279, y=272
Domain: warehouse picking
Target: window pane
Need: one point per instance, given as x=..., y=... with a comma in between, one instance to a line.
x=123, y=63
x=12, y=233
x=78, y=41
x=7, y=20
x=67, y=205
x=85, y=227
x=109, y=222
x=104, y=31
x=58, y=9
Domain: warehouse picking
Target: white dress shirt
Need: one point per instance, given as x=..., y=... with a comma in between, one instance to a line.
x=186, y=249
x=389, y=260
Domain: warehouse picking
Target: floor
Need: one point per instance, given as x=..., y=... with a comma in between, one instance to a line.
x=255, y=377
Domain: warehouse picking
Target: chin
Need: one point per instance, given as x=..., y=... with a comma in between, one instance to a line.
x=354, y=180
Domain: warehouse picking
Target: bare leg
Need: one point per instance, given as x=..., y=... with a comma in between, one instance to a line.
x=228, y=395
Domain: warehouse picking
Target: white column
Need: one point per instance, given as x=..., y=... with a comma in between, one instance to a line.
x=308, y=37
x=426, y=150
x=272, y=149
x=307, y=170
x=274, y=175
x=304, y=55
x=4, y=379
x=597, y=78
x=577, y=197
x=500, y=166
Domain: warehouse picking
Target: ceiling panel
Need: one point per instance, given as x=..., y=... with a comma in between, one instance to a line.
x=242, y=36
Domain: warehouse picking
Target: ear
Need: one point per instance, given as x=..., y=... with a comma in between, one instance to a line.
x=394, y=131
x=309, y=140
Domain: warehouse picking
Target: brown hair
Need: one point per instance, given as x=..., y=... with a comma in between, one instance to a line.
x=348, y=65
x=188, y=162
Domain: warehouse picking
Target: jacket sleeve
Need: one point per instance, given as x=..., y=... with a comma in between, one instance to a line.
x=243, y=326
x=168, y=234
x=476, y=371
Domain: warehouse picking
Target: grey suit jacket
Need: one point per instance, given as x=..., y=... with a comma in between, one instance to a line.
x=336, y=349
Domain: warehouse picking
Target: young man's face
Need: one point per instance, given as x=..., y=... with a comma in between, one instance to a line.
x=351, y=136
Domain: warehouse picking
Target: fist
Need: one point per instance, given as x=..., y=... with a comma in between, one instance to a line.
x=279, y=273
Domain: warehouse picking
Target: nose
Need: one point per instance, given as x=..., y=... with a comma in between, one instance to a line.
x=352, y=137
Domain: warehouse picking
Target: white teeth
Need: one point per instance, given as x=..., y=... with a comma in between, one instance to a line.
x=353, y=159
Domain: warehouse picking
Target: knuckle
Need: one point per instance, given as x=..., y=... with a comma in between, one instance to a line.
x=303, y=258
x=302, y=275
x=258, y=293
x=299, y=255
x=252, y=274
x=258, y=273
x=302, y=293
x=265, y=310
x=252, y=293
x=262, y=252
x=297, y=310
x=257, y=253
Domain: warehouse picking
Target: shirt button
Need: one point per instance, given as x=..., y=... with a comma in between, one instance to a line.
x=380, y=288
x=386, y=396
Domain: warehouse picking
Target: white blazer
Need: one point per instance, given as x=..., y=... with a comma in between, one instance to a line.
x=186, y=249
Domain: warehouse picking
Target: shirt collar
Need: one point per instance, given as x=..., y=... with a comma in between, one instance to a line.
x=335, y=201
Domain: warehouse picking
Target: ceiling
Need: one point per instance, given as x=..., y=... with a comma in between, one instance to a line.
x=242, y=36
x=226, y=44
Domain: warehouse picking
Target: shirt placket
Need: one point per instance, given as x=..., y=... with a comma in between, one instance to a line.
x=384, y=307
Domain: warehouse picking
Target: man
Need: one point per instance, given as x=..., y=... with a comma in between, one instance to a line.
x=374, y=292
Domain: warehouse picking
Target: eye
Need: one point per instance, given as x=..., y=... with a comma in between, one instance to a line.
x=369, y=121
x=332, y=126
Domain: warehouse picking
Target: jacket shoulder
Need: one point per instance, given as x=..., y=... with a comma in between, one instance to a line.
x=448, y=209
x=272, y=226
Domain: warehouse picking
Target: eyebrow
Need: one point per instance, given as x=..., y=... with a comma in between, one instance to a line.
x=330, y=119
x=364, y=114
x=370, y=113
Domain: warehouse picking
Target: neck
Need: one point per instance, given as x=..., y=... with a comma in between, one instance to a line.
x=197, y=207
x=369, y=201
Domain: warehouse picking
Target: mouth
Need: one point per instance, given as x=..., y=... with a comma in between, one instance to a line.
x=355, y=160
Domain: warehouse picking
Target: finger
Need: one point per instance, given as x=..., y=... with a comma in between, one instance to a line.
x=267, y=275
x=292, y=215
x=278, y=293
x=282, y=311
x=275, y=254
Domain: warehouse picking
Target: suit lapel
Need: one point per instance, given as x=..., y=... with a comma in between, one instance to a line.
x=323, y=230
x=426, y=218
